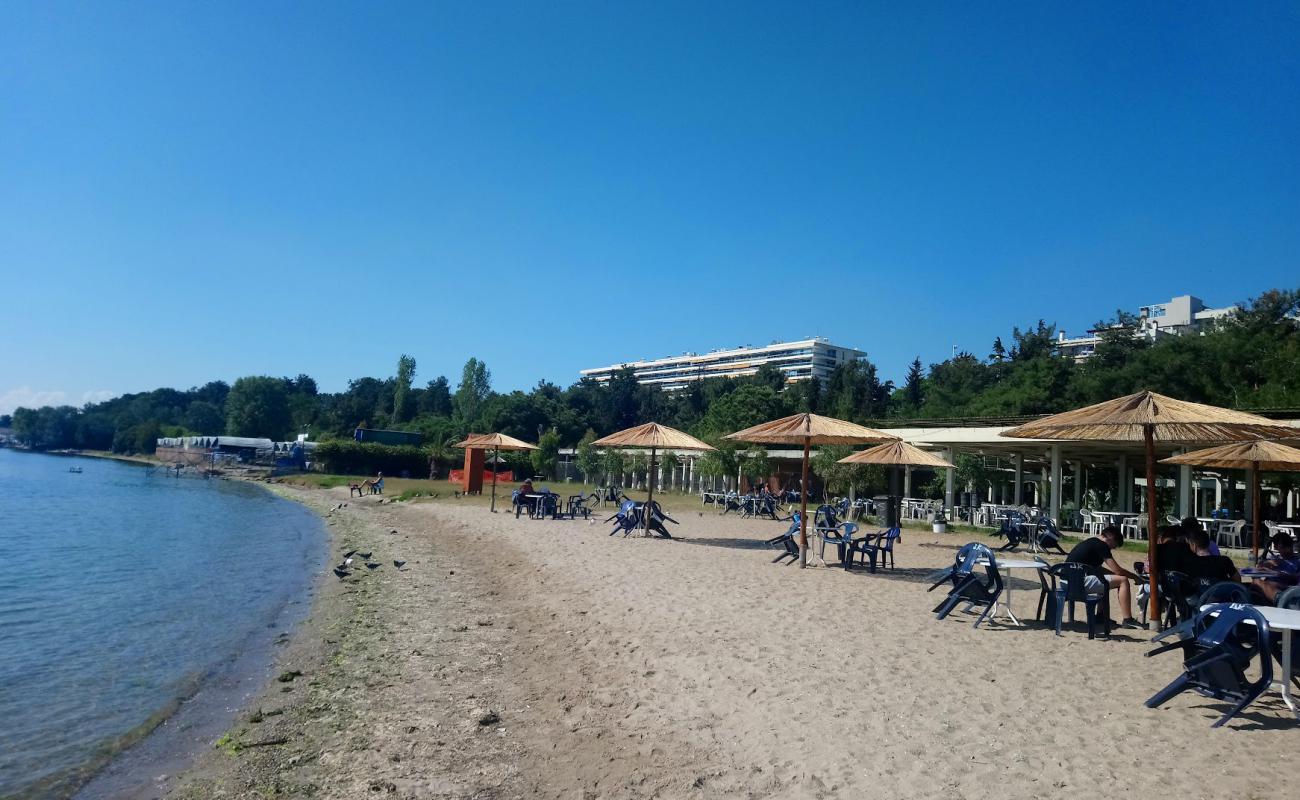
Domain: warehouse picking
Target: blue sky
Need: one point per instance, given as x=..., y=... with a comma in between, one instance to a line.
x=195, y=191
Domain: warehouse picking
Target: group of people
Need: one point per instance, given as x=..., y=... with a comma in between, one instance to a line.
x=1185, y=548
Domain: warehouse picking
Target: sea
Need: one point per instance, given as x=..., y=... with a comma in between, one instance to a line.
x=138, y=612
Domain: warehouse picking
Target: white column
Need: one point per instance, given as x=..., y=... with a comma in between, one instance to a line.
x=1077, y=468
x=1019, y=497
x=949, y=499
x=1055, y=507
x=907, y=481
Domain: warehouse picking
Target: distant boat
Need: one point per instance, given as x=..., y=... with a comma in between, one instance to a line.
x=76, y=470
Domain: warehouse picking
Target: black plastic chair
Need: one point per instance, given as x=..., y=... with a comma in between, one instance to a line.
x=788, y=542
x=1070, y=586
x=1226, y=639
x=1012, y=531
x=973, y=583
x=879, y=547
x=1048, y=535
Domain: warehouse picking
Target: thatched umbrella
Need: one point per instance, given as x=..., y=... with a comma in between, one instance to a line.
x=656, y=437
x=498, y=442
x=807, y=430
x=896, y=454
x=1147, y=417
x=1253, y=456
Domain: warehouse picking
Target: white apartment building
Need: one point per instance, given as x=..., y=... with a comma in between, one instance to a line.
x=800, y=361
x=1181, y=315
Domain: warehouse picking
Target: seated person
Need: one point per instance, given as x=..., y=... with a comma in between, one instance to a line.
x=1095, y=551
x=377, y=485
x=1191, y=526
x=522, y=499
x=1172, y=551
x=1286, y=564
x=1209, y=567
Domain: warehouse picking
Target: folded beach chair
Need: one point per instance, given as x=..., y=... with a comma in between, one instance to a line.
x=1226, y=639
x=658, y=518
x=973, y=583
x=626, y=519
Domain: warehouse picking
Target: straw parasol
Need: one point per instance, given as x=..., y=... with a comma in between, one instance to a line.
x=897, y=454
x=498, y=442
x=1254, y=456
x=808, y=429
x=1147, y=417
x=656, y=437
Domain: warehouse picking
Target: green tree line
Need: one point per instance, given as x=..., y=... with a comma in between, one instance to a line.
x=1250, y=360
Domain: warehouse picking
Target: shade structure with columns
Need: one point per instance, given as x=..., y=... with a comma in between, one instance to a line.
x=808, y=429
x=1252, y=457
x=496, y=442
x=656, y=437
x=1147, y=417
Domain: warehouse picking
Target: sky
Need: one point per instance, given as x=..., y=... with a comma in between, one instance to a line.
x=199, y=191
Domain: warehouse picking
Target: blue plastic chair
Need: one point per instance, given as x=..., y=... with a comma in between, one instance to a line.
x=1071, y=582
x=973, y=583
x=842, y=537
x=1226, y=639
x=879, y=547
x=788, y=541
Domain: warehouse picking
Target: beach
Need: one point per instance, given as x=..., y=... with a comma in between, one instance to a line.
x=520, y=658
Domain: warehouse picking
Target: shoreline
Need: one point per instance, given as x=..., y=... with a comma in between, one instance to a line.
x=172, y=737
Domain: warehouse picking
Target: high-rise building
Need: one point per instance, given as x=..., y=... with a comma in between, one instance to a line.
x=799, y=361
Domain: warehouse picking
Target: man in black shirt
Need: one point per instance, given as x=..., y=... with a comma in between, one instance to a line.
x=1209, y=566
x=1095, y=551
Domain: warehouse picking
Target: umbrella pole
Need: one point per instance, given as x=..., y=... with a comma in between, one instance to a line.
x=495, y=457
x=1153, y=604
x=1254, y=525
x=803, y=509
x=650, y=482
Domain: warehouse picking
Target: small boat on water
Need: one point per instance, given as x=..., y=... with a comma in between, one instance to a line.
x=75, y=470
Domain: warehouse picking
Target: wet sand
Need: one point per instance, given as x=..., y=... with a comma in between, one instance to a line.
x=517, y=658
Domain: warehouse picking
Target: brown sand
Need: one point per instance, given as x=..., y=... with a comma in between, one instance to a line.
x=647, y=668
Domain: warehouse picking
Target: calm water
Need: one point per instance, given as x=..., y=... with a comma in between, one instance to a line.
x=122, y=591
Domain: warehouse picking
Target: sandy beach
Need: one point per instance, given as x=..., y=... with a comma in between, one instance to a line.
x=518, y=658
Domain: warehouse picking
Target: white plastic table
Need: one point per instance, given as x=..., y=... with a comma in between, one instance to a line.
x=1285, y=620
x=1006, y=565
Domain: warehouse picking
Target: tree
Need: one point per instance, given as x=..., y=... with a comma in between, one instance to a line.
x=999, y=353
x=475, y=386
x=614, y=465
x=548, y=450
x=753, y=463
x=912, y=390
x=435, y=400
x=204, y=418
x=258, y=406
x=403, y=400
x=588, y=456
x=840, y=478
x=6, y=421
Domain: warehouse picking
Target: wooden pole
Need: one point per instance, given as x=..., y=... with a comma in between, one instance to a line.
x=495, y=457
x=1254, y=525
x=650, y=481
x=803, y=509
x=1153, y=605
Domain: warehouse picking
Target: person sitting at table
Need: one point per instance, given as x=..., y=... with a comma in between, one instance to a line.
x=1173, y=551
x=1192, y=526
x=1208, y=566
x=1286, y=565
x=1096, y=551
x=522, y=499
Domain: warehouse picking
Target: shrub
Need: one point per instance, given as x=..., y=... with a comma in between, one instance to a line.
x=366, y=458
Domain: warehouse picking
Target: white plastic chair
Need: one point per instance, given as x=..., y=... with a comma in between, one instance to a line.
x=1231, y=534
x=1134, y=527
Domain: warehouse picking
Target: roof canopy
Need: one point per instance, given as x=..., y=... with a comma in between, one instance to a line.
x=493, y=441
x=896, y=454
